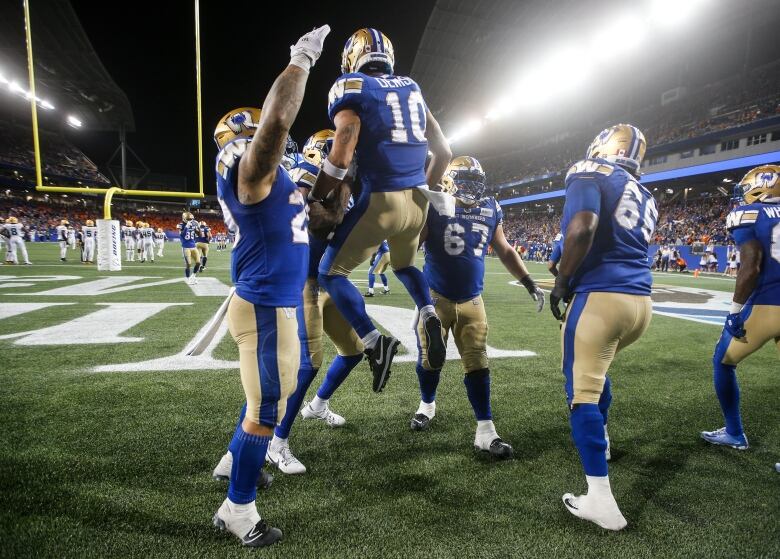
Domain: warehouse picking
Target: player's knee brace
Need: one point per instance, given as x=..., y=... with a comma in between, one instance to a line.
x=587, y=430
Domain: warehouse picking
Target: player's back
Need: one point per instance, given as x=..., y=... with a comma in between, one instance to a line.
x=762, y=223
x=392, y=146
x=455, y=248
x=13, y=229
x=89, y=232
x=617, y=261
x=270, y=256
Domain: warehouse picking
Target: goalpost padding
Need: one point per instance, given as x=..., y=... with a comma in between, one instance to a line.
x=109, y=245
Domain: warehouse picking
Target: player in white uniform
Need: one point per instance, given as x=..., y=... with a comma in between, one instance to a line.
x=71, y=237
x=139, y=241
x=62, y=238
x=159, y=241
x=14, y=231
x=128, y=234
x=89, y=236
x=147, y=237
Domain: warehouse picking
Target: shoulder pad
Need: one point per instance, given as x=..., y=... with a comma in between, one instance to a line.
x=302, y=177
x=742, y=216
x=348, y=84
x=590, y=167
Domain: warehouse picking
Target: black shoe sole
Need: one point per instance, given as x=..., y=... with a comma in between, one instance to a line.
x=269, y=538
x=420, y=424
x=381, y=377
x=437, y=350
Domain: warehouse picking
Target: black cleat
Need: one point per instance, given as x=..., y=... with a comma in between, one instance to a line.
x=368, y=294
x=261, y=534
x=379, y=358
x=499, y=449
x=437, y=349
x=420, y=422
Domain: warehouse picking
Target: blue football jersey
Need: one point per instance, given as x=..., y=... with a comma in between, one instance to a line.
x=269, y=258
x=204, y=235
x=557, y=249
x=392, y=147
x=455, y=249
x=617, y=261
x=188, y=233
x=383, y=248
x=762, y=223
x=304, y=175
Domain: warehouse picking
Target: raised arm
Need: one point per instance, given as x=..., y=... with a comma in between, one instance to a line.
x=257, y=169
x=441, y=154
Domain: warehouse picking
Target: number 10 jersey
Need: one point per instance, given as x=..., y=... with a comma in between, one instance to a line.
x=455, y=249
x=617, y=262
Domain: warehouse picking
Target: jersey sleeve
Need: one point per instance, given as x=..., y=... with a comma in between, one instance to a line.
x=347, y=93
x=499, y=214
x=304, y=175
x=556, y=253
x=741, y=223
x=583, y=193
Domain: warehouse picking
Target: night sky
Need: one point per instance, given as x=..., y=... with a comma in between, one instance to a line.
x=150, y=55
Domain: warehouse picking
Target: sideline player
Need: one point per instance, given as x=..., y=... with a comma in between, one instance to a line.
x=555, y=255
x=318, y=314
x=608, y=220
x=128, y=236
x=202, y=243
x=379, y=264
x=89, y=236
x=264, y=207
x=159, y=241
x=455, y=249
x=14, y=232
x=188, y=232
x=754, y=318
x=71, y=237
x=386, y=119
x=62, y=238
x=147, y=234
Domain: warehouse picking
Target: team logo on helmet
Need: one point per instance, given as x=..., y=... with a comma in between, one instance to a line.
x=467, y=177
x=238, y=123
x=317, y=147
x=368, y=46
x=622, y=144
x=761, y=184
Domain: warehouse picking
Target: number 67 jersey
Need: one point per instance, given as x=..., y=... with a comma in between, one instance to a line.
x=455, y=249
x=617, y=261
x=270, y=258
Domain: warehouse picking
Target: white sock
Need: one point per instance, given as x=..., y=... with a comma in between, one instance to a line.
x=427, y=311
x=598, y=486
x=318, y=404
x=276, y=442
x=241, y=510
x=428, y=410
x=370, y=290
x=370, y=339
x=386, y=289
x=486, y=429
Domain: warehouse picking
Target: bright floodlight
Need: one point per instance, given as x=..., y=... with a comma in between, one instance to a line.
x=3, y=79
x=669, y=13
x=46, y=105
x=15, y=87
x=502, y=107
x=466, y=130
x=74, y=122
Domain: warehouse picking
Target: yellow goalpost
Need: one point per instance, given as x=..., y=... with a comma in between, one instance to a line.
x=110, y=192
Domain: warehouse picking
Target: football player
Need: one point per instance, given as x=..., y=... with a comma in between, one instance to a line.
x=318, y=314
x=202, y=243
x=604, y=275
x=159, y=241
x=754, y=317
x=188, y=232
x=379, y=264
x=139, y=240
x=264, y=207
x=455, y=249
x=555, y=256
x=89, y=237
x=71, y=237
x=128, y=236
x=14, y=232
x=385, y=118
x=147, y=236
x=62, y=238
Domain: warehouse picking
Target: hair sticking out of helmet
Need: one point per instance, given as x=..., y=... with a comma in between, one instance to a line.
x=368, y=49
x=760, y=184
x=467, y=177
x=622, y=144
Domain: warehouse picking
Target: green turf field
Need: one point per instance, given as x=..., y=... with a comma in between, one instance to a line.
x=118, y=464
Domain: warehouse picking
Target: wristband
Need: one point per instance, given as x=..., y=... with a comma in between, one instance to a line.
x=333, y=171
x=528, y=283
x=301, y=61
x=736, y=307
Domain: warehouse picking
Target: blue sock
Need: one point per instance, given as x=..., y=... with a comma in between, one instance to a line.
x=727, y=390
x=606, y=399
x=187, y=272
x=294, y=401
x=371, y=280
x=415, y=284
x=348, y=301
x=429, y=382
x=478, y=390
x=384, y=279
x=337, y=373
x=587, y=430
x=248, y=458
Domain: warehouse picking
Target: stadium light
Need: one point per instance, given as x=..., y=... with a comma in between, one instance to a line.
x=74, y=122
x=671, y=13
x=16, y=88
x=3, y=79
x=46, y=105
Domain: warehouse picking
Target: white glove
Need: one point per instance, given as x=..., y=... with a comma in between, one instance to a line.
x=307, y=50
x=538, y=296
